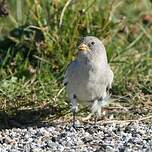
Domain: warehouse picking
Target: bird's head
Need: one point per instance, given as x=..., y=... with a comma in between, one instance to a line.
x=91, y=47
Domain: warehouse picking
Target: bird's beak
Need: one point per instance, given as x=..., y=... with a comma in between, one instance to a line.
x=83, y=47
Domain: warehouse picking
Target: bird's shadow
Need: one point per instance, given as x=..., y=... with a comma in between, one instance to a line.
x=29, y=117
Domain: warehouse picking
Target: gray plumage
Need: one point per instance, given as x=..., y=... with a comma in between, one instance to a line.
x=89, y=76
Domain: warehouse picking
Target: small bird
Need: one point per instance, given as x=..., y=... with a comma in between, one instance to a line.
x=89, y=77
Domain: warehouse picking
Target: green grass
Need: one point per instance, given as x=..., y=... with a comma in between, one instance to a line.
x=35, y=50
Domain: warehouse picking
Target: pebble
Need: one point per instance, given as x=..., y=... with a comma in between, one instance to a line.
x=90, y=138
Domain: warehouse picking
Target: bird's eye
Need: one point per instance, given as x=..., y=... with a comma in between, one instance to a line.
x=92, y=43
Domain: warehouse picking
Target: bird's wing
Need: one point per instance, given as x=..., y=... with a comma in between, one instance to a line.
x=69, y=71
x=107, y=82
x=109, y=78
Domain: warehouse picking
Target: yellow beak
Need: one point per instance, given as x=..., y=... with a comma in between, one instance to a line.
x=83, y=47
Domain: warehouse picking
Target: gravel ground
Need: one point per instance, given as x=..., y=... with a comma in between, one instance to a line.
x=91, y=138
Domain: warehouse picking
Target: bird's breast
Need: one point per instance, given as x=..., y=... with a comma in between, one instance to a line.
x=87, y=83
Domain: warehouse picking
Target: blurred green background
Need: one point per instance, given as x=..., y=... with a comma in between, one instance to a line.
x=38, y=39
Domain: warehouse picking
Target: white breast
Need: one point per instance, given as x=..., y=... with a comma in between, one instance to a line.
x=87, y=83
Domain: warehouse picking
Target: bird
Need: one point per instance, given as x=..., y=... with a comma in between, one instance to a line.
x=89, y=77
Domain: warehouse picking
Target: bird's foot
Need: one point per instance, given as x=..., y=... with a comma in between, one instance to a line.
x=75, y=123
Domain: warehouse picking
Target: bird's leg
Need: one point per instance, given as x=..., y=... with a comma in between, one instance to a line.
x=95, y=119
x=96, y=110
x=74, y=109
x=74, y=119
x=103, y=102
